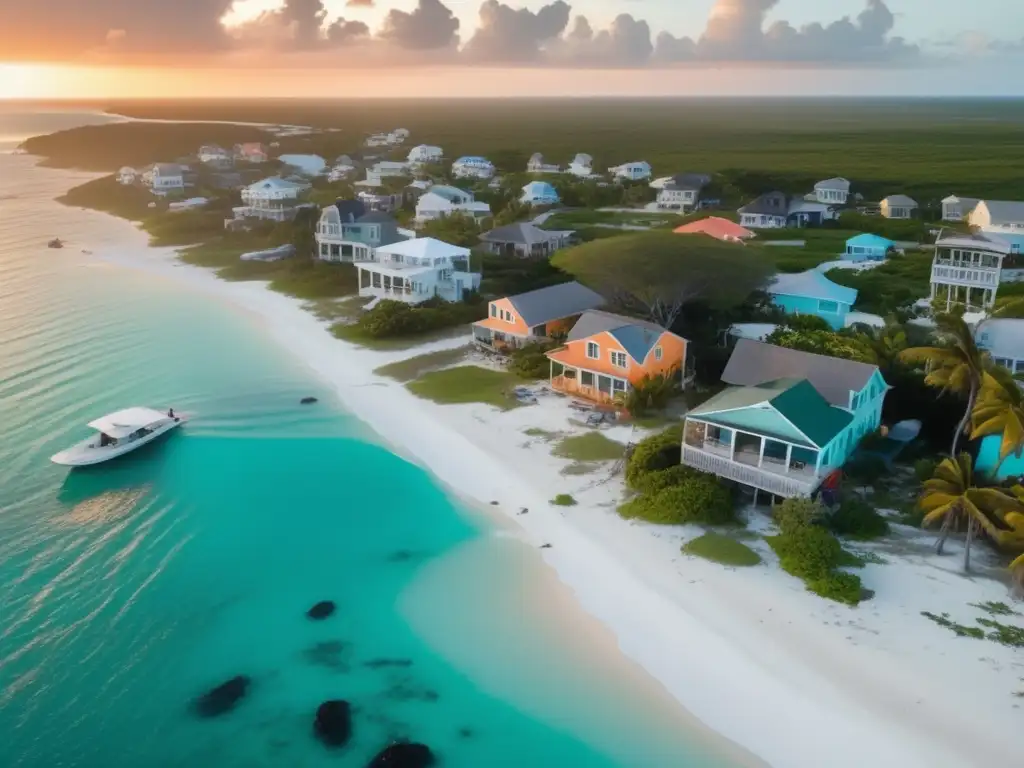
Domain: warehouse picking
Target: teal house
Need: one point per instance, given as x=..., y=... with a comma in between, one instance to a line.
x=989, y=463
x=811, y=293
x=868, y=247
x=788, y=421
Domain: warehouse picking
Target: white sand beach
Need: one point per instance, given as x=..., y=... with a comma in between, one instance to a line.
x=798, y=681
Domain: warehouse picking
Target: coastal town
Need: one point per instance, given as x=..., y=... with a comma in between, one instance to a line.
x=805, y=398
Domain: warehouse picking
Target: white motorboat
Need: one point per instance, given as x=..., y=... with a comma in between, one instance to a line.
x=119, y=433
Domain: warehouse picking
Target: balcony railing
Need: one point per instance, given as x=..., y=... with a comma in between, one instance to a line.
x=786, y=485
x=986, y=277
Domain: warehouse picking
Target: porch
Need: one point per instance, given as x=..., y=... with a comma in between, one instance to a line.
x=393, y=287
x=590, y=385
x=499, y=341
x=779, y=467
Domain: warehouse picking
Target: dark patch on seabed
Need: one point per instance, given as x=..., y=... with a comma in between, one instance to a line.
x=329, y=654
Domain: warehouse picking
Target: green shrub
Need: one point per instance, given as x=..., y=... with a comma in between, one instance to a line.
x=857, y=519
x=657, y=452
x=924, y=469
x=531, y=361
x=651, y=393
x=866, y=468
x=653, y=482
x=564, y=500
x=390, y=319
x=839, y=586
x=807, y=553
x=699, y=499
x=794, y=514
x=719, y=548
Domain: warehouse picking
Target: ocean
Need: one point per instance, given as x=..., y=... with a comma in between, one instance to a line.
x=128, y=590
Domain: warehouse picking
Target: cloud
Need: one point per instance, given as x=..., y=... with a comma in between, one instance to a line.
x=507, y=34
x=431, y=25
x=626, y=43
x=360, y=3
x=298, y=25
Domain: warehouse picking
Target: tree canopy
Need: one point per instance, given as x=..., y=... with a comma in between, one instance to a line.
x=656, y=273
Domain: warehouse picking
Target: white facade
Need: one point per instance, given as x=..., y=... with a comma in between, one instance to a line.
x=472, y=168
x=385, y=169
x=340, y=172
x=898, y=207
x=442, y=200
x=416, y=270
x=384, y=202
x=392, y=139
x=536, y=164
x=957, y=208
x=424, y=153
x=212, y=154
x=272, y=199
x=966, y=269
x=165, y=178
x=763, y=220
x=127, y=176
x=582, y=165
x=832, y=191
x=675, y=199
x=1003, y=338
x=998, y=216
x=637, y=171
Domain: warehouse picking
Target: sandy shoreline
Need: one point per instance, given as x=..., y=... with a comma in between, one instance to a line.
x=796, y=680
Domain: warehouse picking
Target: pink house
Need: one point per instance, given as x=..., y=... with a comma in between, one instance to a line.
x=717, y=227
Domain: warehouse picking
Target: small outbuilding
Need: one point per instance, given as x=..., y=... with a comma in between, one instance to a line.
x=868, y=247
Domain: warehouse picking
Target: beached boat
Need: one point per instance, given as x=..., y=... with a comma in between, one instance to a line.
x=55, y=243
x=119, y=433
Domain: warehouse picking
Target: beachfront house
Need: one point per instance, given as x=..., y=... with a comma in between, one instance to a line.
x=967, y=269
x=443, y=200
x=524, y=240
x=424, y=154
x=635, y=171
x=835, y=191
x=272, y=199
x=868, y=247
x=811, y=293
x=127, y=176
x=582, y=166
x=165, y=178
x=956, y=208
x=472, y=167
x=304, y=165
x=535, y=316
x=413, y=271
x=1003, y=339
x=769, y=211
x=348, y=232
x=788, y=420
x=251, y=152
x=539, y=193
x=718, y=228
x=1004, y=218
x=391, y=139
x=215, y=156
x=384, y=169
x=536, y=164
x=898, y=207
x=606, y=355
x=680, y=192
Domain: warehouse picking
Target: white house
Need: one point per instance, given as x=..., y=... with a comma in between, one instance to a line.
x=998, y=216
x=378, y=140
x=582, y=165
x=384, y=202
x=211, y=154
x=165, y=178
x=340, y=173
x=381, y=170
x=680, y=192
x=251, y=152
x=1003, y=338
x=898, y=207
x=413, y=271
x=398, y=136
x=769, y=211
x=637, y=171
x=127, y=176
x=424, y=153
x=966, y=269
x=442, y=200
x=536, y=164
x=273, y=199
x=306, y=165
x=539, y=193
x=956, y=208
x=835, y=191
x=472, y=168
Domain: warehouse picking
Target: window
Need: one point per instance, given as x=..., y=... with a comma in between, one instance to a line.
x=618, y=385
x=828, y=306
x=593, y=351
x=657, y=353
x=509, y=317
x=494, y=311
x=619, y=359
x=586, y=379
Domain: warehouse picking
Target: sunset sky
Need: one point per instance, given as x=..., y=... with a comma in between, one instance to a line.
x=356, y=48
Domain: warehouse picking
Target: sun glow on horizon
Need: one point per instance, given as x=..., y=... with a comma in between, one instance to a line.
x=22, y=81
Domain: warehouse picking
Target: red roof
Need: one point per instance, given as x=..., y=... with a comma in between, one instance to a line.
x=715, y=226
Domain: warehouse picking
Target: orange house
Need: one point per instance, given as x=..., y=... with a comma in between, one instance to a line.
x=535, y=316
x=606, y=355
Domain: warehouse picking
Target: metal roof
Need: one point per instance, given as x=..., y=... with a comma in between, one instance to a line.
x=812, y=284
x=523, y=233
x=555, y=302
x=1004, y=211
x=900, y=200
x=770, y=204
x=868, y=240
x=637, y=337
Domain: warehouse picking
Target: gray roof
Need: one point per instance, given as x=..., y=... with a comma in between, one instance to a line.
x=1005, y=211
x=376, y=217
x=350, y=210
x=952, y=239
x=754, y=362
x=901, y=200
x=636, y=336
x=555, y=302
x=770, y=204
x=523, y=233
x=695, y=181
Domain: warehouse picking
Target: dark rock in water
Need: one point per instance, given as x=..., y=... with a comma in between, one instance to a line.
x=404, y=755
x=330, y=654
x=222, y=699
x=401, y=556
x=406, y=689
x=333, y=723
x=385, y=663
x=308, y=400
x=545, y=546
x=494, y=503
x=466, y=733
x=321, y=610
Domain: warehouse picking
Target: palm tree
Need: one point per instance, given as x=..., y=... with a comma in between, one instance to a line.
x=952, y=496
x=956, y=366
x=1000, y=411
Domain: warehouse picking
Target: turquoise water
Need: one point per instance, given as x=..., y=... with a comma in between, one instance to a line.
x=129, y=589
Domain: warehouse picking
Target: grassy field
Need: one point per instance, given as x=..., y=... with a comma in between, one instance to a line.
x=719, y=548
x=466, y=384
x=592, y=446
x=898, y=283
x=414, y=367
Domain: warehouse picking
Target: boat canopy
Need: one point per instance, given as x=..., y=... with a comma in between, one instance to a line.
x=122, y=423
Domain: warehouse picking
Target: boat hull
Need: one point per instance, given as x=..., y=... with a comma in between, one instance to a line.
x=87, y=453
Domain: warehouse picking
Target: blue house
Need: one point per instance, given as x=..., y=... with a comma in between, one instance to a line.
x=789, y=421
x=989, y=463
x=811, y=293
x=868, y=247
x=539, y=193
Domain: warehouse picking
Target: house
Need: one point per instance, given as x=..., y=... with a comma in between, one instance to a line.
x=398, y=136
x=413, y=271
x=717, y=227
x=348, y=232
x=681, y=192
x=443, y=200
x=867, y=247
x=832, y=191
x=539, y=193
x=1003, y=217
x=535, y=316
x=165, y=178
x=957, y=208
x=127, y=176
x=384, y=169
x=340, y=173
x=188, y=205
x=305, y=165
x=769, y=211
x=225, y=180
x=211, y=154
x=424, y=154
x=898, y=207
x=636, y=171
x=378, y=140
x=811, y=293
x=967, y=269
x=383, y=202
x=606, y=355
x=472, y=168
x=809, y=213
x=251, y=152
x=272, y=199
x=582, y=165
x=1003, y=339
x=524, y=240
x=536, y=164
x=788, y=420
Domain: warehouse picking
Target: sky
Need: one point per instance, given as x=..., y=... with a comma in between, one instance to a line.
x=359, y=48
